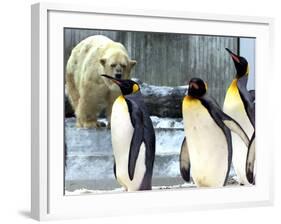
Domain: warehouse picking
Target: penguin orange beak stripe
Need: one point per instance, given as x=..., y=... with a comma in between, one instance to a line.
x=113, y=79
x=233, y=56
x=194, y=85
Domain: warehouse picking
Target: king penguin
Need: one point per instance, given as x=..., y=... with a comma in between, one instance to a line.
x=207, y=148
x=239, y=103
x=133, y=138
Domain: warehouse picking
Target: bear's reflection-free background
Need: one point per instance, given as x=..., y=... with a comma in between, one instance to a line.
x=163, y=59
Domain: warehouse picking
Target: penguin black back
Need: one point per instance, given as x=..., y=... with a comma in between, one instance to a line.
x=202, y=137
x=239, y=103
x=140, y=137
x=247, y=97
x=144, y=132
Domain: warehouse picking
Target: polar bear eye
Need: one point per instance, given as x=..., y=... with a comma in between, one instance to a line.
x=123, y=65
x=113, y=65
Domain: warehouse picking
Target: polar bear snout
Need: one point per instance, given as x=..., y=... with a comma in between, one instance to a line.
x=118, y=71
x=118, y=76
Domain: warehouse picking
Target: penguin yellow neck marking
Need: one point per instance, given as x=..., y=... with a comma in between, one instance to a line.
x=122, y=103
x=190, y=101
x=119, y=108
x=233, y=89
x=120, y=98
x=233, y=101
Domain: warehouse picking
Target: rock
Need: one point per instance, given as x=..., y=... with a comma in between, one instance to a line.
x=89, y=151
x=163, y=101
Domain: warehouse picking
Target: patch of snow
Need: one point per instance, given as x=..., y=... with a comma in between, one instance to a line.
x=159, y=122
x=159, y=91
x=84, y=191
x=178, y=186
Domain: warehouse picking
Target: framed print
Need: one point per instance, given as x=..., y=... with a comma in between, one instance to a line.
x=129, y=118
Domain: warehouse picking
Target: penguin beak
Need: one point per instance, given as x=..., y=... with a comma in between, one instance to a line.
x=118, y=82
x=234, y=57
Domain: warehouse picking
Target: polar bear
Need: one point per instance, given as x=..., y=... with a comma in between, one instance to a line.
x=88, y=92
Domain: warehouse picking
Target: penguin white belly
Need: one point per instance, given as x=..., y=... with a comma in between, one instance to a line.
x=207, y=146
x=233, y=106
x=122, y=133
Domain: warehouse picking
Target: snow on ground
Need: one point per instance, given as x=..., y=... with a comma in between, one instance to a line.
x=84, y=191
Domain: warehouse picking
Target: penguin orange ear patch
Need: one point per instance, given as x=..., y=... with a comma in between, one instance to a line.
x=135, y=88
x=247, y=71
x=206, y=85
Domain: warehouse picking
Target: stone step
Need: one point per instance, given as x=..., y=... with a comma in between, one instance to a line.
x=92, y=142
x=89, y=157
x=101, y=167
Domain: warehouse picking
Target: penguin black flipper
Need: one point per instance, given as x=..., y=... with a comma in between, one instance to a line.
x=185, y=161
x=226, y=123
x=252, y=93
x=247, y=98
x=223, y=119
x=251, y=160
x=218, y=116
x=149, y=141
x=114, y=168
x=138, y=135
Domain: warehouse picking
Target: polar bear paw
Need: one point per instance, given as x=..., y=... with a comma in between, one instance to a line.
x=90, y=124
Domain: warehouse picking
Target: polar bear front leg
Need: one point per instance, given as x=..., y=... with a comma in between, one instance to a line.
x=111, y=97
x=86, y=118
x=87, y=109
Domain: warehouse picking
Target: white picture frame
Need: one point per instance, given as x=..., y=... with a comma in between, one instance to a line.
x=48, y=200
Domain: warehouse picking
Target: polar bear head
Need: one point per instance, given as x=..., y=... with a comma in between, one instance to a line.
x=117, y=64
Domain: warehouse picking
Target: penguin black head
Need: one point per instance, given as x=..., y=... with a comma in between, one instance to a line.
x=240, y=63
x=127, y=86
x=197, y=87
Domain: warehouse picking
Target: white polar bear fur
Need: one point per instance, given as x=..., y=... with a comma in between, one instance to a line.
x=88, y=92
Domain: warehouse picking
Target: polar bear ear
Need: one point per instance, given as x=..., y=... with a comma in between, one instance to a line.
x=103, y=61
x=133, y=63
